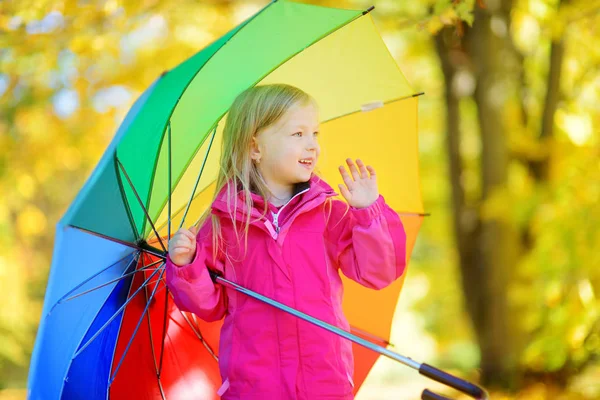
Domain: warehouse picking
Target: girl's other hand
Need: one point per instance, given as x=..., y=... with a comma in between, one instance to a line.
x=361, y=188
x=182, y=246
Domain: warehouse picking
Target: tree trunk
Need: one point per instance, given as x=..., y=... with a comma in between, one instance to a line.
x=498, y=240
x=465, y=220
x=488, y=247
x=540, y=168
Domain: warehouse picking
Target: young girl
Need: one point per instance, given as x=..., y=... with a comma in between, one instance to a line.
x=276, y=229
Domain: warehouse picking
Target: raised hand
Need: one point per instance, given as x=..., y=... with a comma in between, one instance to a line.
x=182, y=246
x=361, y=188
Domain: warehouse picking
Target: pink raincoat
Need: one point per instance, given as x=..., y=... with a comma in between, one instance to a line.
x=295, y=257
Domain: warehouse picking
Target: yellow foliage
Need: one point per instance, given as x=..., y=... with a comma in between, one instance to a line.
x=31, y=221
x=26, y=186
x=434, y=24
x=13, y=394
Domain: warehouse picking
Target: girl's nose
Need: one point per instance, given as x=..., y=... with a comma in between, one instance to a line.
x=312, y=144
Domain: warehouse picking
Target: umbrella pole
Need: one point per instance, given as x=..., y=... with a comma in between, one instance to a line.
x=424, y=369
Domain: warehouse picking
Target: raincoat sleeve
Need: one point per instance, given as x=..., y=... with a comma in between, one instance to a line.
x=367, y=244
x=192, y=287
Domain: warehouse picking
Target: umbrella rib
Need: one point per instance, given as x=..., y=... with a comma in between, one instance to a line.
x=125, y=202
x=92, y=277
x=194, y=195
x=206, y=345
x=150, y=250
x=179, y=210
x=169, y=177
x=198, y=335
x=162, y=342
x=214, y=133
x=385, y=103
x=113, y=281
x=140, y=201
x=162, y=392
x=114, y=348
x=114, y=315
x=187, y=207
x=150, y=331
x=164, y=331
x=136, y=328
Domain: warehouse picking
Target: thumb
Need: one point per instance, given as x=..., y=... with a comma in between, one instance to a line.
x=194, y=230
x=345, y=192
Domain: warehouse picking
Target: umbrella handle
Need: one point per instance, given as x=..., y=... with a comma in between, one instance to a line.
x=447, y=379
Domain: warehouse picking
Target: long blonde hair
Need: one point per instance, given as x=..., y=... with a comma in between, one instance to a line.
x=252, y=110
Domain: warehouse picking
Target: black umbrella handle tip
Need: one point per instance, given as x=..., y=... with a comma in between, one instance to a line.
x=368, y=10
x=447, y=379
x=429, y=395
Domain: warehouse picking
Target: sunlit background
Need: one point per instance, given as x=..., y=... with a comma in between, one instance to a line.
x=504, y=281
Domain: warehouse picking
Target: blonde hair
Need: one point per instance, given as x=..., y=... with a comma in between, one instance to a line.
x=252, y=110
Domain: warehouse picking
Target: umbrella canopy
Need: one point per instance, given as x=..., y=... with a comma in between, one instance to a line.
x=109, y=326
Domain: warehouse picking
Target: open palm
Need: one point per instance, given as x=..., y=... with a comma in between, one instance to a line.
x=360, y=188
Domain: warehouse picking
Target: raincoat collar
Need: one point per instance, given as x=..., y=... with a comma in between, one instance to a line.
x=313, y=189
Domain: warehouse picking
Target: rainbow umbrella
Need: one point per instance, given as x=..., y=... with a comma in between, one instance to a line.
x=109, y=327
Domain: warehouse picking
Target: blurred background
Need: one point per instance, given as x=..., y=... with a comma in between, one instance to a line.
x=504, y=283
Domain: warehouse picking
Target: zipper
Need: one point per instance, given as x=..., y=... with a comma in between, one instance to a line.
x=276, y=216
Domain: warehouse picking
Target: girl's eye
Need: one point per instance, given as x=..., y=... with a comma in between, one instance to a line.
x=297, y=134
x=316, y=133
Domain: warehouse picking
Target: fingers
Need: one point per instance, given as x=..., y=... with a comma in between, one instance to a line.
x=179, y=250
x=371, y=171
x=183, y=241
x=346, y=177
x=189, y=234
x=353, y=169
x=362, y=169
x=358, y=171
x=182, y=245
x=345, y=192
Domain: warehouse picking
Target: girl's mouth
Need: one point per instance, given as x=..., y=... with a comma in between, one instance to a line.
x=306, y=163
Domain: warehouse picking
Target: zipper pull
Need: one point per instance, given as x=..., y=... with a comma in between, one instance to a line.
x=275, y=218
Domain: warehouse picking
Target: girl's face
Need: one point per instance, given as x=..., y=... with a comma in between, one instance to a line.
x=288, y=150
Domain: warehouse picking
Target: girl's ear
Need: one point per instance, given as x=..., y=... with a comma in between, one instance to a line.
x=255, y=153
